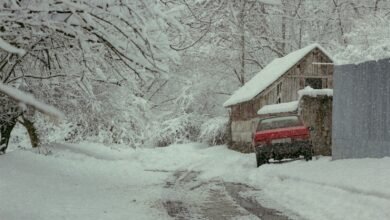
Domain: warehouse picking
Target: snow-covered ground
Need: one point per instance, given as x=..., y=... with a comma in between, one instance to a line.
x=92, y=181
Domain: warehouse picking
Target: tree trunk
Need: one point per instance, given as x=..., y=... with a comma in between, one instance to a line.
x=6, y=128
x=32, y=131
x=242, y=41
x=376, y=5
x=283, y=43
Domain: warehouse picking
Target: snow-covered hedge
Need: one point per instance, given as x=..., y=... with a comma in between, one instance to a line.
x=213, y=131
x=115, y=115
x=181, y=129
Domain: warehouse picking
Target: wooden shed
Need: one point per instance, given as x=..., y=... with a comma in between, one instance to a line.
x=278, y=82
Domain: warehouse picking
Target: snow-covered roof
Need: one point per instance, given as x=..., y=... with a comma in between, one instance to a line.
x=279, y=108
x=293, y=106
x=270, y=74
x=308, y=91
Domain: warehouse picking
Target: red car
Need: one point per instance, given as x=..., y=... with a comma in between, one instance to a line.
x=281, y=137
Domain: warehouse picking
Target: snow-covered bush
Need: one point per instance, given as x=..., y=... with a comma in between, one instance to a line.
x=112, y=114
x=53, y=132
x=181, y=129
x=213, y=131
x=187, y=118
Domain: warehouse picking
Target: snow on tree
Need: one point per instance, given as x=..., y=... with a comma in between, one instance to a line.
x=27, y=99
x=72, y=52
x=11, y=49
x=369, y=34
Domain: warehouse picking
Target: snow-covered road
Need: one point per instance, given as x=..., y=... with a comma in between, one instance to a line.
x=187, y=198
x=192, y=181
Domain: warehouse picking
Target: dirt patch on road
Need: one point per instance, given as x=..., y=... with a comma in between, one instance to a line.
x=176, y=209
x=250, y=204
x=187, y=197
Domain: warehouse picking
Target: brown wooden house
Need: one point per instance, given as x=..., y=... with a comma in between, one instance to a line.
x=278, y=82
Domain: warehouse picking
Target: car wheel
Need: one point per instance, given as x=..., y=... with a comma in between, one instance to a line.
x=277, y=157
x=258, y=162
x=308, y=155
x=261, y=159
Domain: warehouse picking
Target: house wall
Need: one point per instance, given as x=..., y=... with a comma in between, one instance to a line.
x=243, y=114
x=361, y=110
x=241, y=135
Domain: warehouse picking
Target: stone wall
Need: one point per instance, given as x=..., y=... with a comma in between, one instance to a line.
x=316, y=112
x=243, y=147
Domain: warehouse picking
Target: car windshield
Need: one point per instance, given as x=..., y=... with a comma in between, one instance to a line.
x=280, y=122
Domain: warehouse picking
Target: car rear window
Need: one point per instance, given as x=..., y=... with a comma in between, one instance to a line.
x=280, y=122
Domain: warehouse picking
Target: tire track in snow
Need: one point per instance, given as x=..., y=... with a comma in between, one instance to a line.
x=186, y=197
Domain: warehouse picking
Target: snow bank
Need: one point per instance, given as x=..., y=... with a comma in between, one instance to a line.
x=30, y=100
x=325, y=189
x=86, y=182
x=279, y=108
x=269, y=74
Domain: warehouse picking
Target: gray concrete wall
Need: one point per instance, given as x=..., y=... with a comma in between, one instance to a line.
x=361, y=110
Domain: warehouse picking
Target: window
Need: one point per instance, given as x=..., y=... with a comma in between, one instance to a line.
x=278, y=93
x=279, y=122
x=279, y=89
x=315, y=83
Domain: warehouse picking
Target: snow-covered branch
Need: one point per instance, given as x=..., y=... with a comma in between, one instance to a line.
x=28, y=99
x=11, y=49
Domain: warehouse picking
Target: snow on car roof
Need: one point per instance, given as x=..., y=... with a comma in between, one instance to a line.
x=270, y=74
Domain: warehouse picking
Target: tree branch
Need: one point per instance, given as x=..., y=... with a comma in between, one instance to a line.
x=36, y=77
